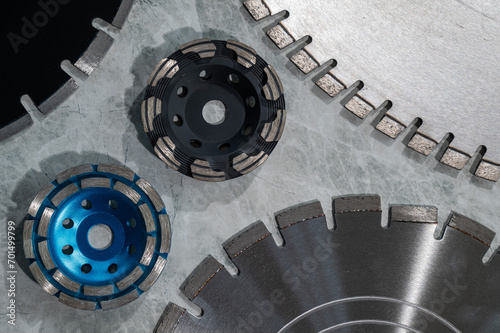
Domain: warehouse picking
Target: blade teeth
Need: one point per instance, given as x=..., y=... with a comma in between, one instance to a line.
x=246, y=55
x=201, y=170
x=422, y=144
x=66, y=282
x=200, y=277
x=27, y=243
x=454, y=158
x=245, y=238
x=148, y=217
x=43, y=225
x=422, y=214
x=118, y=170
x=257, y=8
x=95, y=182
x=154, y=274
x=148, y=251
x=304, y=61
x=245, y=164
x=169, y=318
x=280, y=36
x=43, y=249
x=98, y=291
x=37, y=202
x=204, y=47
x=117, y=302
x=272, y=131
x=166, y=233
x=165, y=150
x=151, y=193
x=390, y=126
x=77, y=303
x=75, y=171
x=273, y=88
x=471, y=228
x=356, y=203
x=359, y=106
x=330, y=84
x=299, y=213
x=64, y=193
x=129, y=279
x=488, y=170
x=128, y=192
x=41, y=279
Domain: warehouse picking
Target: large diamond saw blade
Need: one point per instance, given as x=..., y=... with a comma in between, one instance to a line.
x=425, y=65
x=358, y=278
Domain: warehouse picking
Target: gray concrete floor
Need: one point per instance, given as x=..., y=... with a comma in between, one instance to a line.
x=325, y=151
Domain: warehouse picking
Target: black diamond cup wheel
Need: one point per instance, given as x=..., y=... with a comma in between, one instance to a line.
x=214, y=110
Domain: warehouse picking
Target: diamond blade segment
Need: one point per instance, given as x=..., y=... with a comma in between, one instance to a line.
x=435, y=62
x=358, y=278
x=97, y=237
x=214, y=110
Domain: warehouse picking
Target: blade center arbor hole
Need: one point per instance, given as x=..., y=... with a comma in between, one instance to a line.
x=214, y=112
x=100, y=236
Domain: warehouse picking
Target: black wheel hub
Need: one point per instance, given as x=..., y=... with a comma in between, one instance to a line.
x=214, y=110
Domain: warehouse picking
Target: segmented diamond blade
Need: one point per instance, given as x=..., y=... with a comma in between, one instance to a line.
x=435, y=62
x=358, y=278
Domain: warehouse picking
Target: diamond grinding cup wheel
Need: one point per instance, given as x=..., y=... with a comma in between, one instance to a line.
x=214, y=110
x=97, y=237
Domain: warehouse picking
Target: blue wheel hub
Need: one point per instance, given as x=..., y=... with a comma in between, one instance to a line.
x=98, y=236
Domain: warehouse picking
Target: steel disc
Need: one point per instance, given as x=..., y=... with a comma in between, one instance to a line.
x=359, y=278
x=39, y=35
x=97, y=237
x=214, y=110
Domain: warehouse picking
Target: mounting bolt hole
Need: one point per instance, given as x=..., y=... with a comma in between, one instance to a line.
x=224, y=147
x=86, y=204
x=251, y=101
x=247, y=130
x=182, y=91
x=132, y=223
x=86, y=268
x=113, y=268
x=177, y=120
x=131, y=249
x=195, y=143
x=233, y=78
x=67, y=223
x=67, y=249
x=205, y=75
x=113, y=204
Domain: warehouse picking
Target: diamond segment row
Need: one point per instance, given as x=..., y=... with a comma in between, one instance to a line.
x=57, y=241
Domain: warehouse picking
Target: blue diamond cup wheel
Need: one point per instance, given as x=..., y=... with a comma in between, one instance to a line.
x=97, y=237
x=214, y=110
